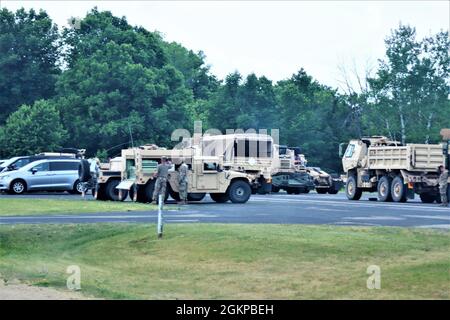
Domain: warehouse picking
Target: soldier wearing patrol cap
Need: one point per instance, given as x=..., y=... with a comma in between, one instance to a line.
x=162, y=174
x=183, y=181
x=443, y=184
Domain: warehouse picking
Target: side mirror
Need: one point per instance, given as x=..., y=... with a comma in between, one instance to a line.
x=34, y=170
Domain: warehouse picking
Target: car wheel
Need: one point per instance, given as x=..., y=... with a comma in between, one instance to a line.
x=427, y=198
x=398, y=190
x=351, y=189
x=239, y=191
x=384, y=189
x=18, y=187
x=113, y=193
x=78, y=187
x=321, y=190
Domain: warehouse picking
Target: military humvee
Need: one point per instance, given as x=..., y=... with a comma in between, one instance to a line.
x=250, y=153
x=134, y=176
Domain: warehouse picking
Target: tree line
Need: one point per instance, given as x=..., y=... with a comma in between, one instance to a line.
x=89, y=84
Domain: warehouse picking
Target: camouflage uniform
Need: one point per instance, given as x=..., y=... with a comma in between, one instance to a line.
x=443, y=183
x=183, y=181
x=161, y=181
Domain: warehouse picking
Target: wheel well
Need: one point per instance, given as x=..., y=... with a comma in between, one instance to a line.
x=240, y=179
x=351, y=173
x=19, y=179
x=75, y=183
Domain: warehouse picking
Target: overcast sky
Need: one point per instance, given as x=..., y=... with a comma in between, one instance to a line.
x=274, y=39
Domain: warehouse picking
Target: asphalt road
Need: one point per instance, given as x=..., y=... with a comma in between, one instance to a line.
x=276, y=208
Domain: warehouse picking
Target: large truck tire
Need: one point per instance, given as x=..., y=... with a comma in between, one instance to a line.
x=398, y=190
x=427, y=198
x=112, y=193
x=332, y=190
x=149, y=189
x=140, y=194
x=84, y=171
x=196, y=196
x=239, y=191
x=384, y=189
x=351, y=189
x=219, y=197
x=321, y=190
x=175, y=195
x=99, y=194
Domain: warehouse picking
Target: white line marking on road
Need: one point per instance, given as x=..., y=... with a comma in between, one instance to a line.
x=374, y=218
x=427, y=217
x=354, y=223
x=182, y=220
x=355, y=203
x=325, y=209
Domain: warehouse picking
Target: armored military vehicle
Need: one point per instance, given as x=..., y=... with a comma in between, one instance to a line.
x=289, y=171
x=133, y=174
x=250, y=153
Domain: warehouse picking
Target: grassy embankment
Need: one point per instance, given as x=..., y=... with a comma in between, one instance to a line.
x=199, y=261
x=12, y=207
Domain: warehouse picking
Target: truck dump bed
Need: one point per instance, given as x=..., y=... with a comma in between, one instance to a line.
x=412, y=157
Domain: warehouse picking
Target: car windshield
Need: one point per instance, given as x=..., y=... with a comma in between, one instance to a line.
x=7, y=163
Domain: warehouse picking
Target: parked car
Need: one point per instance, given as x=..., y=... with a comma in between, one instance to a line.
x=43, y=175
x=18, y=162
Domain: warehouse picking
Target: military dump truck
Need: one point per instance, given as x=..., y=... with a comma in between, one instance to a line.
x=395, y=171
x=289, y=171
x=133, y=174
x=250, y=153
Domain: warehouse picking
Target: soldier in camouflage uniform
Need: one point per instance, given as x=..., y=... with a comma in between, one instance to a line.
x=162, y=174
x=443, y=184
x=183, y=181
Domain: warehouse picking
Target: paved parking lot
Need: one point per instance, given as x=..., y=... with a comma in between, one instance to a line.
x=276, y=208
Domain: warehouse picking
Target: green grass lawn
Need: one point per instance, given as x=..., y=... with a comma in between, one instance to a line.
x=216, y=261
x=12, y=207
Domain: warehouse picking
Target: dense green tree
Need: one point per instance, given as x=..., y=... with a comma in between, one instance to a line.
x=408, y=98
x=29, y=53
x=194, y=69
x=119, y=79
x=249, y=104
x=32, y=129
x=313, y=117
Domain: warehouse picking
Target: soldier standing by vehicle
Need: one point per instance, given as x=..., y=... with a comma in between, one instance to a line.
x=443, y=183
x=162, y=174
x=183, y=181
